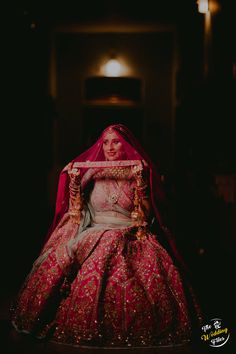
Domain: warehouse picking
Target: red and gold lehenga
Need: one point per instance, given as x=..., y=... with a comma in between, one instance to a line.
x=99, y=281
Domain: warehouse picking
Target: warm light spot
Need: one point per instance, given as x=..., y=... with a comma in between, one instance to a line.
x=214, y=6
x=203, y=6
x=33, y=25
x=112, y=68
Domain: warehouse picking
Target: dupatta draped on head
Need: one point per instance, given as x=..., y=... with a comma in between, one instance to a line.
x=133, y=151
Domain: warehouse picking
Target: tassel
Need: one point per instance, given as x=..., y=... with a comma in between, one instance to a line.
x=75, y=203
x=138, y=216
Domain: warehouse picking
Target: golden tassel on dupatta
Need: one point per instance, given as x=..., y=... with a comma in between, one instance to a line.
x=138, y=216
x=76, y=202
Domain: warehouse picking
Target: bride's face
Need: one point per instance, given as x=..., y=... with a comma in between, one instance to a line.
x=112, y=147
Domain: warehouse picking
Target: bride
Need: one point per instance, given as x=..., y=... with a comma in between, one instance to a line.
x=103, y=276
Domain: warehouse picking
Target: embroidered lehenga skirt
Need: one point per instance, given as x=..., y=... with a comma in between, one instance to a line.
x=100, y=285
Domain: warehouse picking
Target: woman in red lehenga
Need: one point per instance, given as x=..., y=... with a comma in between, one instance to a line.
x=103, y=277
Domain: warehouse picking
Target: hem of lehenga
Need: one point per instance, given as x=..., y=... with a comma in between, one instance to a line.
x=108, y=347
x=124, y=347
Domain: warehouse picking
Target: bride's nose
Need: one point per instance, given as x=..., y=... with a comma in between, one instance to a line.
x=110, y=146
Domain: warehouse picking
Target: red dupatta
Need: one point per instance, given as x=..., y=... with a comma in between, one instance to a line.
x=133, y=151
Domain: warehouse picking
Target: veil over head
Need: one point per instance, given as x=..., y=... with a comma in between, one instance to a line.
x=133, y=151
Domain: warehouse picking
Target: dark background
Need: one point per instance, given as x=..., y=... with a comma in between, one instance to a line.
x=184, y=120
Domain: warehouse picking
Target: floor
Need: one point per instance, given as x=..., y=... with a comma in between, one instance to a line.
x=15, y=343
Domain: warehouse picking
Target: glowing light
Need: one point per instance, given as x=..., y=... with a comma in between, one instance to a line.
x=112, y=68
x=33, y=25
x=203, y=6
